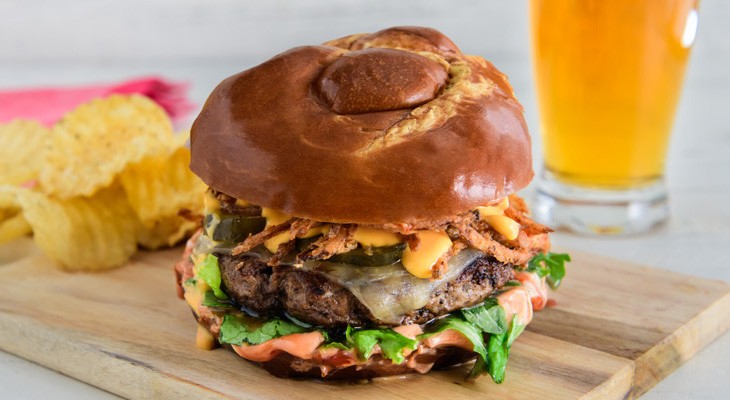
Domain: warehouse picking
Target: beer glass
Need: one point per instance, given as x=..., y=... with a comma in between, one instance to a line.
x=609, y=76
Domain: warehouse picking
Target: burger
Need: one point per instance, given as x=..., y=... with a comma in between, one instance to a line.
x=361, y=217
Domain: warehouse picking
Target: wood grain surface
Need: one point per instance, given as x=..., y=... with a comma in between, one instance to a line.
x=616, y=331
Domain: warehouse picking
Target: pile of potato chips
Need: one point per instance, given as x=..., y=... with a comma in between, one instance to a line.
x=108, y=176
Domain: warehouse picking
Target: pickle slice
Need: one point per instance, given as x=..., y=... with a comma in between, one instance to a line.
x=371, y=256
x=233, y=228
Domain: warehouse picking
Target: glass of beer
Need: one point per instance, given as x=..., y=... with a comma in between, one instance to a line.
x=609, y=75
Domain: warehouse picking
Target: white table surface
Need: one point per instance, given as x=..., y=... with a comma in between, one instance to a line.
x=59, y=42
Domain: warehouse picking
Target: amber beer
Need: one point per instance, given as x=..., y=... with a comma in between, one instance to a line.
x=609, y=75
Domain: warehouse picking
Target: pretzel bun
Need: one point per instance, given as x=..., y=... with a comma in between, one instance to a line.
x=390, y=127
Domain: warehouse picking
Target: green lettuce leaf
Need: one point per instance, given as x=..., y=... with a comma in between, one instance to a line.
x=336, y=345
x=489, y=316
x=498, y=353
x=235, y=330
x=480, y=368
x=469, y=330
x=514, y=331
x=391, y=342
x=498, y=350
x=551, y=265
x=210, y=273
x=211, y=300
x=486, y=328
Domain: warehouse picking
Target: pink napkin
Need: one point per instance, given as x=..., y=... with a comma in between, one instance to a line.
x=47, y=105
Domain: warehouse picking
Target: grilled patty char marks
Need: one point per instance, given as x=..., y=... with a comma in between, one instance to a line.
x=312, y=297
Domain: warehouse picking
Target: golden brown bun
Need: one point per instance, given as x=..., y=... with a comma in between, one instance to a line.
x=394, y=126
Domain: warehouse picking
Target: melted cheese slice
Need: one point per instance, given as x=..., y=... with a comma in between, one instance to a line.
x=497, y=209
x=273, y=243
x=390, y=291
x=204, y=340
x=508, y=227
x=194, y=295
x=211, y=204
x=375, y=237
x=212, y=224
x=432, y=245
x=318, y=230
x=274, y=217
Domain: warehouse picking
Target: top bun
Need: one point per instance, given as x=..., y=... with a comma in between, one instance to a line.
x=390, y=127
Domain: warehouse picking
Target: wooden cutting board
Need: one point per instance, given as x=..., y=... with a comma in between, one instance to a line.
x=617, y=330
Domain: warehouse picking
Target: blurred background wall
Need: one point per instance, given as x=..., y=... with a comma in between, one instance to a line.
x=69, y=42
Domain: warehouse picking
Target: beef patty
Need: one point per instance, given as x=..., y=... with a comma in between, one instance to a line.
x=312, y=297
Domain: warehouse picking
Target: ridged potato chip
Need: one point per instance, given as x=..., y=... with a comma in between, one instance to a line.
x=21, y=145
x=109, y=176
x=167, y=231
x=82, y=233
x=90, y=145
x=12, y=222
x=158, y=188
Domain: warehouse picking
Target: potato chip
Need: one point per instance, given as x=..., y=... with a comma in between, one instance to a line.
x=21, y=143
x=109, y=175
x=82, y=233
x=12, y=222
x=166, y=231
x=158, y=188
x=90, y=145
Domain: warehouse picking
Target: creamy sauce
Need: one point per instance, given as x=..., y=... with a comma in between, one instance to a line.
x=302, y=345
x=516, y=301
x=409, y=331
x=536, y=289
x=448, y=337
